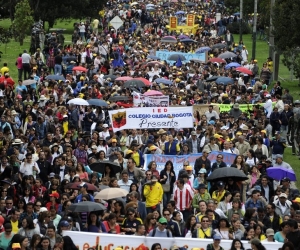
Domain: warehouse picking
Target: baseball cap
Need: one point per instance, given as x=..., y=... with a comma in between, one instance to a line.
x=152, y=148
x=65, y=116
x=64, y=223
x=16, y=245
x=269, y=232
x=283, y=195
x=94, y=147
x=202, y=171
x=286, y=179
x=51, y=175
x=189, y=168
x=105, y=126
x=163, y=221
x=220, y=184
x=201, y=186
x=217, y=237
x=55, y=194
x=114, y=140
x=193, y=133
x=257, y=187
x=297, y=200
x=211, y=122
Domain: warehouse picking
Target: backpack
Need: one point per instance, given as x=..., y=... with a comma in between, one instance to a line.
x=154, y=231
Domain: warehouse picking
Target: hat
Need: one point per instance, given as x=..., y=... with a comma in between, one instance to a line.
x=14, y=112
x=297, y=200
x=220, y=184
x=277, y=132
x=65, y=116
x=149, y=142
x=224, y=128
x=211, y=122
x=105, y=125
x=7, y=181
x=206, y=151
x=94, y=147
x=283, y=195
x=142, y=247
x=239, y=133
x=161, y=132
x=217, y=136
x=286, y=179
x=15, y=245
x=114, y=140
x=255, y=241
x=54, y=194
x=43, y=98
x=269, y=160
x=51, y=175
x=152, y=148
x=257, y=187
x=83, y=184
x=81, y=78
x=72, y=62
x=202, y=171
x=193, y=133
x=55, y=145
x=245, y=127
x=268, y=95
x=17, y=141
x=64, y=223
x=162, y=220
x=201, y=186
x=269, y=232
x=236, y=106
x=19, y=96
x=43, y=209
x=217, y=237
x=189, y=168
x=263, y=131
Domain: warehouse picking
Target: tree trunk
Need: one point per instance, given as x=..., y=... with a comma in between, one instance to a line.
x=21, y=40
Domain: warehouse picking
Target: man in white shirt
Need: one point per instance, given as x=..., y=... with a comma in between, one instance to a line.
x=29, y=167
x=25, y=63
x=211, y=113
x=125, y=183
x=268, y=105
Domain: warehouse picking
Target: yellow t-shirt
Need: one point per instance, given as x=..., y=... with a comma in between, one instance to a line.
x=15, y=227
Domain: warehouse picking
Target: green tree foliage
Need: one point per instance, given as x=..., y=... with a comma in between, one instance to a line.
x=23, y=20
x=5, y=36
x=286, y=32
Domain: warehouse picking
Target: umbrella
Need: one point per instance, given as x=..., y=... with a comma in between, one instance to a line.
x=163, y=81
x=217, y=60
x=86, y=206
x=123, y=78
x=112, y=77
x=236, y=14
x=179, y=12
x=224, y=173
x=190, y=4
x=175, y=57
x=218, y=46
x=100, y=166
x=202, y=49
x=196, y=60
x=55, y=78
x=153, y=92
x=244, y=70
x=168, y=40
x=80, y=68
x=152, y=63
x=134, y=84
x=224, y=80
x=97, y=102
x=111, y=193
x=29, y=82
x=188, y=40
x=278, y=173
x=76, y=185
x=144, y=80
x=118, y=98
x=150, y=5
x=101, y=187
x=166, y=4
x=78, y=101
x=227, y=55
x=233, y=64
x=134, y=3
x=183, y=37
x=212, y=79
x=153, y=57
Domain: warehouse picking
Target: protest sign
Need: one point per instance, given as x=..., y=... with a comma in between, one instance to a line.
x=140, y=100
x=178, y=160
x=163, y=55
x=152, y=118
x=101, y=241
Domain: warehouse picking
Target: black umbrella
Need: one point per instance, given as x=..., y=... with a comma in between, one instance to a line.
x=112, y=77
x=175, y=57
x=100, y=166
x=212, y=79
x=86, y=206
x=224, y=173
x=218, y=46
x=118, y=98
x=190, y=4
x=134, y=84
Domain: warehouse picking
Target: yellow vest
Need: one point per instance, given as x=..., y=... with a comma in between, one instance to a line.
x=204, y=234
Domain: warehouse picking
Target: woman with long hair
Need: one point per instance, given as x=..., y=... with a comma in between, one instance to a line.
x=152, y=167
x=94, y=224
x=251, y=159
x=255, y=175
x=45, y=243
x=28, y=195
x=258, y=232
x=28, y=228
x=111, y=224
x=281, y=235
x=223, y=228
x=237, y=245
x=190, y=225
x=156, y=246
x=35, y=242
x=167, y=179
x=225, y=204
x=68, y=243
x=236, y=207
x=150, y=223
x=249, y=233
x=22, y=240
x=80, y=171
x=6, y=236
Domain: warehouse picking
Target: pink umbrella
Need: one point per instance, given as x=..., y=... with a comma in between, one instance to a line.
x=145, y=81
x=153, y=92
x=123, y=78
x=244, y=70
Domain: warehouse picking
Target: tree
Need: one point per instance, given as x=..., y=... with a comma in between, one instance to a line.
x=286, y=19
x=23, y=20
x=5, y=36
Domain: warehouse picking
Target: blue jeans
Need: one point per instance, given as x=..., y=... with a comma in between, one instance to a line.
x=166, y=198
x=151, y=210
x=57, y=69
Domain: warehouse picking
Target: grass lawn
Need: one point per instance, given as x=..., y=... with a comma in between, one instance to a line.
x=11, y=51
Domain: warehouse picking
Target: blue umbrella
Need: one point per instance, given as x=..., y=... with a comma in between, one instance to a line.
x=183, y=37
x=188, y=40
x=237, y=14
x=233, y=64
x=224, y=80
x=153, y=57
x=179, y=12
x=163, y=81
x=202, y=49
x=97, y=102
x=278, y=173
x=55, y=78
x=150, y=5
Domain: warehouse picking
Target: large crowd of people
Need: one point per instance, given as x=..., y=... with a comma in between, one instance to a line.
x=48, y=148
